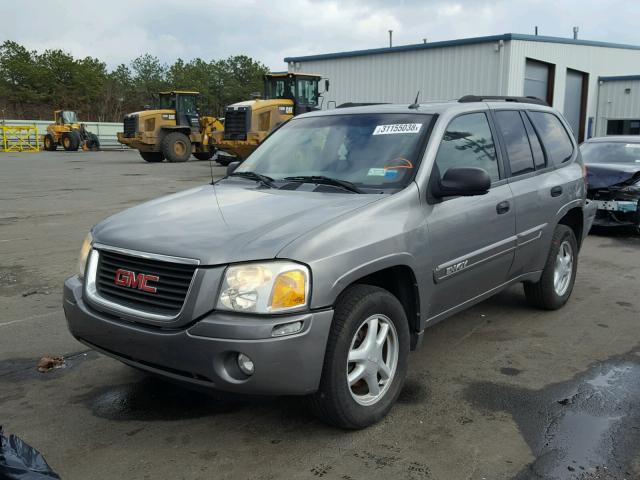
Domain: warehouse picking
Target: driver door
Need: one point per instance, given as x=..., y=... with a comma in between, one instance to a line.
x=471, y=239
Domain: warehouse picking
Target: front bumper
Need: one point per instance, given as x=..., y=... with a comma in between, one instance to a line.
x=205, y=352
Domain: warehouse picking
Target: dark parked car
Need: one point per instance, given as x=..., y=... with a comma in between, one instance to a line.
x=613, y=175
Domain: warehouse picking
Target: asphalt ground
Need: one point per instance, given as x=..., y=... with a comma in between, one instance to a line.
x=499, y=391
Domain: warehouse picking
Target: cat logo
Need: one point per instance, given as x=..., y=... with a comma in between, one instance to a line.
x=286, y=110
x=456, y=267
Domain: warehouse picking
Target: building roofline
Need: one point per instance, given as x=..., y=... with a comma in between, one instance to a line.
x=619, y=78
x=461, y=41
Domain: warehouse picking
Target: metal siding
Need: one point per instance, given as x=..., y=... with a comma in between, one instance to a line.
x=439, y=74
x=615, y=104
x=595, y=60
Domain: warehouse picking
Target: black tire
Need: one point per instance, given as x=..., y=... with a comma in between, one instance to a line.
x=93, y=142
x=152, y=157
x=334, y=402
x=176, y=147
x=543, y=294
x=204, y=155
x=50, y=143
x=71, y=141
x=225, y=160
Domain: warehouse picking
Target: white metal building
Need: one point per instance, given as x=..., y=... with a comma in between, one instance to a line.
x=570, y=74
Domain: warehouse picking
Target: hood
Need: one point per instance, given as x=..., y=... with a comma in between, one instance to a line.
x=604, y=175
x=228, y=222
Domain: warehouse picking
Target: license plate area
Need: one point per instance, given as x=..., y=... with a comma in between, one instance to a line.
x=616, y=205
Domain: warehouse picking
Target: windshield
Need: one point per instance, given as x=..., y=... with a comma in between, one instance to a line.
x=307, y=91
x=69, y=117
x=167, y=102
x=279, y=87
x=188, y=104
x=611, y=152
x=377, y=151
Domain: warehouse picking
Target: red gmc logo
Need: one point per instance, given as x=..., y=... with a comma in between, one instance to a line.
x=126, y=278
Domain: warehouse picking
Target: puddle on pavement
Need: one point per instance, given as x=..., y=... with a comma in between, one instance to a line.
x=153, y=399
x=586, y=427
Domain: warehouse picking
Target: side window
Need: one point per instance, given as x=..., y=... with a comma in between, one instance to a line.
x=553, y=135
x=534, y=141
x=468, y=142
x=516, y=141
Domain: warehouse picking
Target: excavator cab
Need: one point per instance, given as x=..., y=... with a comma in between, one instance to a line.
x=185, y=105
x=301, y=88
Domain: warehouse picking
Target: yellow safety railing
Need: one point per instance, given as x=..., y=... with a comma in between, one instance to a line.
x=20, y=138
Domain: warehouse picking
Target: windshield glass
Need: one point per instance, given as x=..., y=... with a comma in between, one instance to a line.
x=167, y=102
x=611, y=152
x=279, y=87
x=307, y=92
x=188, y=104
x=69, y=117
x=369, y=150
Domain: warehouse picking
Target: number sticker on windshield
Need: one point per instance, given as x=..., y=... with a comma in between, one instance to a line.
x=397, y=128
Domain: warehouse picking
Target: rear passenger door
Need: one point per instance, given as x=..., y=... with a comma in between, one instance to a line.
x=471, y=239
x=539, y=188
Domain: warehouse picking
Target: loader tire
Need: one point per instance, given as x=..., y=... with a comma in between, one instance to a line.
x=71, y=141
x=152, y=157
x=176, y=147
x=49, y=143
x=93, y=142
x=204, y=155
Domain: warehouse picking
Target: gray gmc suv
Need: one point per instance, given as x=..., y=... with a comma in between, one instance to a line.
x=316, y=265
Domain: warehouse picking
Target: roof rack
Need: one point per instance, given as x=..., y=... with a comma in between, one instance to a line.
x=359, y=104
x=503, y=98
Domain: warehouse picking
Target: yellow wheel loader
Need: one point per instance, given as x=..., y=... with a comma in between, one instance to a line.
x=69, y=133
x=246, y=124
x=174, y=129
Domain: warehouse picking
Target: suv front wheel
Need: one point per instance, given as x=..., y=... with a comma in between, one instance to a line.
x=556, y=283
x=366, y=358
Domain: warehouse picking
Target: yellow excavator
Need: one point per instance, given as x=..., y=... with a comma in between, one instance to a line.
x=175, y=130
x=68, y=132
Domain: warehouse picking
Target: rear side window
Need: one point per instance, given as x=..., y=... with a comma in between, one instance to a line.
x=516, y=141
x=534, y=141
x=554, y=137
x=468, y=143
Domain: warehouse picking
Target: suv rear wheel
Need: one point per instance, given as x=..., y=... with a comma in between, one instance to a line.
x=366, y=358
x=176, y=147
x=556, y=284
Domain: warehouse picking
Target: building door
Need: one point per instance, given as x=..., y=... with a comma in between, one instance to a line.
x=538, y=80
x=575, y=101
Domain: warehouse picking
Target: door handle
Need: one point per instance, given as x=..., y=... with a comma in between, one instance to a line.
x=503, y=207
x=556, y=191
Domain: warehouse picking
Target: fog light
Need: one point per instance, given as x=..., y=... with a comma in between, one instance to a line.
x=245, y=364
x=286, y=329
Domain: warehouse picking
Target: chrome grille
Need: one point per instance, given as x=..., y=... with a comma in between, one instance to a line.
x=171, y=286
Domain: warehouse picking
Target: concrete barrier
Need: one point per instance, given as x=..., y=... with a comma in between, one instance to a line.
x=106, y=131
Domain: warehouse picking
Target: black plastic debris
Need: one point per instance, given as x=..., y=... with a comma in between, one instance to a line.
x=20, y=461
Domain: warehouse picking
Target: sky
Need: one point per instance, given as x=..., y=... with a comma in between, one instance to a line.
x=117, y=31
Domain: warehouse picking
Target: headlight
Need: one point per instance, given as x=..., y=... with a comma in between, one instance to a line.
x=268, y=287
x=84, y=253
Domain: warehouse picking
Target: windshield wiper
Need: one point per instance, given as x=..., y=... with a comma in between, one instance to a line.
x=258, y=177
x=322, y=180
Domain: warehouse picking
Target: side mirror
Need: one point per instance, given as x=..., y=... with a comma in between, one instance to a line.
x=232, y=166
x=462, y=181
x=326, y=85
